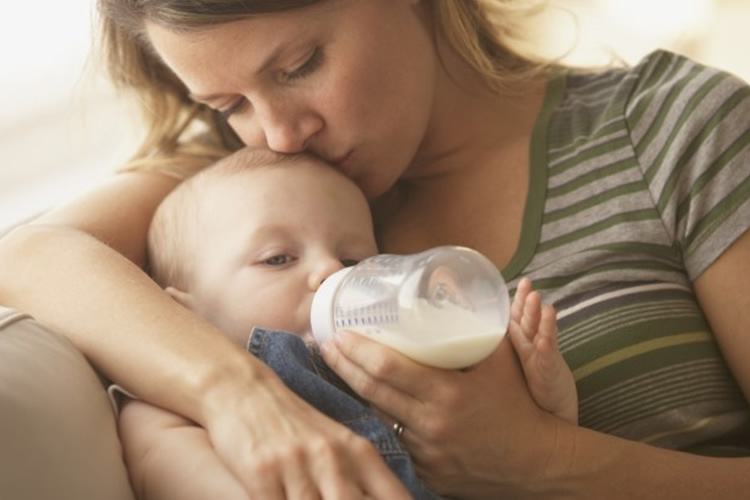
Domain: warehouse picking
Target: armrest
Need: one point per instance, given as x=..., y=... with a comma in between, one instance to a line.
x=57, y=427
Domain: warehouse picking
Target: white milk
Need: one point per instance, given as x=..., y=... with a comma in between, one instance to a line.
x=448, y=337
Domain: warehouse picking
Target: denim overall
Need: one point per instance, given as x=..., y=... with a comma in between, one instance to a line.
x=303, y=370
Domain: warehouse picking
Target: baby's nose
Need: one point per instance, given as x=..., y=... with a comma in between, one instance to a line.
x=323, y=272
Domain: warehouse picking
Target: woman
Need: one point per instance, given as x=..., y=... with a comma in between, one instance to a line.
x=622, y=194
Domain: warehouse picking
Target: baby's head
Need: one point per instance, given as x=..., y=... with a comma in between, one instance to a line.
x=247, y=241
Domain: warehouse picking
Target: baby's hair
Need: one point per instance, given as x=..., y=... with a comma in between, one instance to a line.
x=173, y=234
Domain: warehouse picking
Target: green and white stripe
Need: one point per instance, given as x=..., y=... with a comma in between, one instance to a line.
x=640, y=180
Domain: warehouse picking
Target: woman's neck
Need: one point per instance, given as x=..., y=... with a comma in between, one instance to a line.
x=469, y=182
x=471, y=121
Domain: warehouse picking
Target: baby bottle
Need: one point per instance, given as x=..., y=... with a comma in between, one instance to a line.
x=447, y=307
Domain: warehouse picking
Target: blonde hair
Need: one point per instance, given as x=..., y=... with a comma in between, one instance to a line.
x=183, y=136
x=176, y=227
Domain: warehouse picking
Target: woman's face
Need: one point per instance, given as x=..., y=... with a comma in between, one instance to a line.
x=349, y=80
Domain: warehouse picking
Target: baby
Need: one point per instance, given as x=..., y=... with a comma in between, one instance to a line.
x=245, y=244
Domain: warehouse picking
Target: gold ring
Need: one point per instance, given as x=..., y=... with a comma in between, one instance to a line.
x=398, y=429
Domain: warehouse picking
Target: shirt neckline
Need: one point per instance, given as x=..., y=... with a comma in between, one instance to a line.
x=538, y=150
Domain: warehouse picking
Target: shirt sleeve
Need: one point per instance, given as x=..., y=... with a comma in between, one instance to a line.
x=690, y=127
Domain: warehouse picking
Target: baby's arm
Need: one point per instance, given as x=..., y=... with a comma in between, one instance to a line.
x=169, y=457
x=533, y=332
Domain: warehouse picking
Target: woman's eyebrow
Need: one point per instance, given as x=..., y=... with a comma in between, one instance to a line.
x=269, y=61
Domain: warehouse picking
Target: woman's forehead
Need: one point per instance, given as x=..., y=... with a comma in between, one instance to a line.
x=208, y=60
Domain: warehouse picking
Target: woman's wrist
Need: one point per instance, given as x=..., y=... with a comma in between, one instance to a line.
x=220, y=382
x=586, y=464
x=559, y=466
x=543, y=467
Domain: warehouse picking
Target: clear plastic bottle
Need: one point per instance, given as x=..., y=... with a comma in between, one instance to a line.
x=446, y=307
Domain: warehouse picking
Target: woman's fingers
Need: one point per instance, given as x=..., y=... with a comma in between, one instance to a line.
x=279, y=447
x=371, y=484
x=327, y=471
x=267, y=486
x=416, y=396
x=388, y=380
x=448, y=416
x=322, y=478
x=372, y=367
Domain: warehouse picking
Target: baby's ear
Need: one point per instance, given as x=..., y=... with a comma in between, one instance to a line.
x=184, y=298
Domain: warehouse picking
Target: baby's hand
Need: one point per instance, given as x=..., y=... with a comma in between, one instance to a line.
x=533, y=332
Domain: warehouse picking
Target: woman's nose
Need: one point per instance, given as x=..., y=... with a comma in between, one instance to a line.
x=281, y=128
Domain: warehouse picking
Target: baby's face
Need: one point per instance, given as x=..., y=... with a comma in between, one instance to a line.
x=271, y=236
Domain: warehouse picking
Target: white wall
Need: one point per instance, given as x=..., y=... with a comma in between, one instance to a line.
x=59, y=131
x=59, y=135
x=715, y=32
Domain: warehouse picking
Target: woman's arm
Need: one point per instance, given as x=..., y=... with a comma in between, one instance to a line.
x=478, y=434
x=67, y=268
x=78, y=269
x=724, y=294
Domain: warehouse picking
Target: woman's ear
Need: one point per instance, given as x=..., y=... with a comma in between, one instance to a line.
x=184, y=298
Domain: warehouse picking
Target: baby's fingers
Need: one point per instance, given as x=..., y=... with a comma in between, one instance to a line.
x=519, y=300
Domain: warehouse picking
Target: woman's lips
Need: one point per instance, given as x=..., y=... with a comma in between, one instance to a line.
x=344, y=163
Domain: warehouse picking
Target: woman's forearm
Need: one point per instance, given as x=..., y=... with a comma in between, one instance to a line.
x=450, y=417
x=123, y=323
x=268, y=438
x=79, y=270
x=592, y=465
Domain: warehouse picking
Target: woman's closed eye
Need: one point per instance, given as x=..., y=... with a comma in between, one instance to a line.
x=310, y=65
x=233, y=107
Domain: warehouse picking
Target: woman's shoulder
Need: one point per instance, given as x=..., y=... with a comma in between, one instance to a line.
x=661, y=72
x=664, y=63
x=666, y=80
x=664, y=89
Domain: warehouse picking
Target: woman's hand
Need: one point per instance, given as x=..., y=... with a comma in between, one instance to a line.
x=472, y=434
x=280, y=448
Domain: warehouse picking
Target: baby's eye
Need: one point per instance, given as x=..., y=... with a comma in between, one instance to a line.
x=278, y=260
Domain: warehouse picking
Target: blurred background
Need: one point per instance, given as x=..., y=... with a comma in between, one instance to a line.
x=62, y=128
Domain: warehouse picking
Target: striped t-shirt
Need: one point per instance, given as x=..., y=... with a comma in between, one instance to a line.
x=640, y=179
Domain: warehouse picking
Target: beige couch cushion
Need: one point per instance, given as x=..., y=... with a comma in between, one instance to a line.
x=58, y=436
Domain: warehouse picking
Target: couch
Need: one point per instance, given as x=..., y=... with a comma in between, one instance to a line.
x=58, y=438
